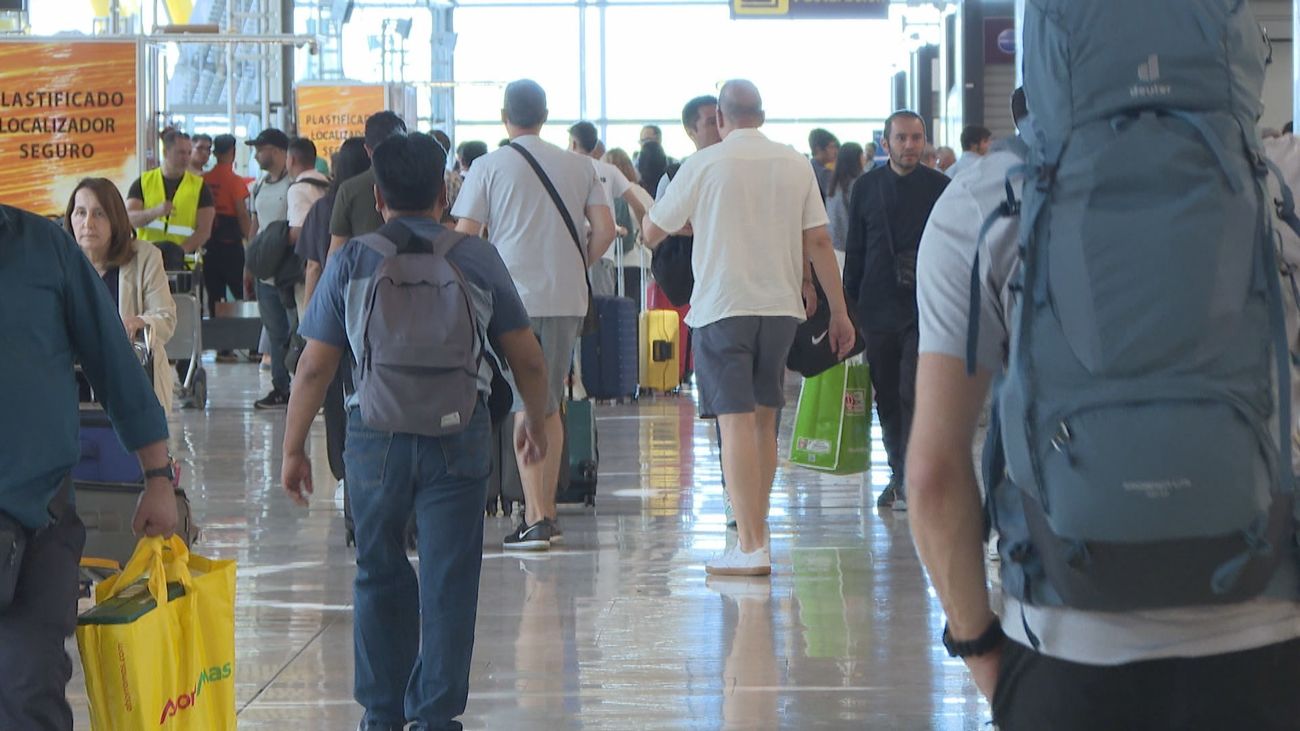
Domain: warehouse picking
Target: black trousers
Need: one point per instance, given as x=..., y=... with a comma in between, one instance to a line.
x=223, y=269
x=891, y=357
x=1252, y=689
x=36, y=670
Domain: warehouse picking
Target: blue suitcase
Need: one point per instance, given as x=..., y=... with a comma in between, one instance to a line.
x=609, y=357
x=103, y=458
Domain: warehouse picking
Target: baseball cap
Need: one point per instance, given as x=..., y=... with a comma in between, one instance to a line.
x=221, y=144
x=270, y=136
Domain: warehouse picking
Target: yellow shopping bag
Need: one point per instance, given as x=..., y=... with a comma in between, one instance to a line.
x=159, y=647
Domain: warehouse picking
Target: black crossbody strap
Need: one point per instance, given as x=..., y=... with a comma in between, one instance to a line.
x=559, y=204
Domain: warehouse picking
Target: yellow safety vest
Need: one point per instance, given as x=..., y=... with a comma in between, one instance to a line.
x=178, y=226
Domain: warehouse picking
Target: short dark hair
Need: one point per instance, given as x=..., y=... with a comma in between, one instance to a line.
x=171, y=136
x=691, y=112
x=471, y=151
x=382, y=125
x=654, y=128
x=304, y=150
x=201, y=138
x=223, y=144
x=586, y=135
x=902, y=114
x=525, y=104
x=972, y=135
x=408, y=171
x=819, y=139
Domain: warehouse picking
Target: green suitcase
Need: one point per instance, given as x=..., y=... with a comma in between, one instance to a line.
x=582, y=454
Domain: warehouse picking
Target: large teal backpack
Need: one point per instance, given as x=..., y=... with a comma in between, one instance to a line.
x=1145, y=431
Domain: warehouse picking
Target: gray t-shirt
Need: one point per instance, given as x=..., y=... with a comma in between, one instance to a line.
x=271, y=200
x=503, y=192
x=943, y=297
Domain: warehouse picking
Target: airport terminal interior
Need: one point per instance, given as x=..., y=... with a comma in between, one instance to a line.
x=619, y=627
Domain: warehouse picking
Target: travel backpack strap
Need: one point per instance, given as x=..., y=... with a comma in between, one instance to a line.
x=1009, y=208
x=1281, y=345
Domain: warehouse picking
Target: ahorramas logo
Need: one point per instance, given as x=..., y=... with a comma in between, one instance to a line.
x=186, y=701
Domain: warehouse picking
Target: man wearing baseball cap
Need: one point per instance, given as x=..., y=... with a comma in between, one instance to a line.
x=278, y=308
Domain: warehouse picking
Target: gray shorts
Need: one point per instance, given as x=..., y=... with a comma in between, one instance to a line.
x=740, y=363
x=557, y=336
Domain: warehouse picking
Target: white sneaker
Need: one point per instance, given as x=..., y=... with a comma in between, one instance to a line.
x=735, y=562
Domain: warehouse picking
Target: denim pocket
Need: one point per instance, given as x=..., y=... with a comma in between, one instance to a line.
x=365, y=454
x=467, y=454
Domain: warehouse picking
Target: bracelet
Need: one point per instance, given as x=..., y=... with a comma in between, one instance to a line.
x=167, y=472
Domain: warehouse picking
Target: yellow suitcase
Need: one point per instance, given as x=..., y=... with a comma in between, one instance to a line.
x=660, y=368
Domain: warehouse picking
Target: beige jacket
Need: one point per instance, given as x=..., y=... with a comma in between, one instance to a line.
x=143, y=292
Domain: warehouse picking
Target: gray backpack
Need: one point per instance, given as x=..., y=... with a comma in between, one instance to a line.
x=1142, y=452
x=417, y=372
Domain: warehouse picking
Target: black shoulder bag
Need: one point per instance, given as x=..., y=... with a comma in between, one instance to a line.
x=590, y=322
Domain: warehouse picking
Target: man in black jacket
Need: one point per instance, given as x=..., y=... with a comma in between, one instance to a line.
x=888, y=211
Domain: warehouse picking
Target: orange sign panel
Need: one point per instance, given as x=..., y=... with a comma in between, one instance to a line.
x=328, y=115
x=67, y=111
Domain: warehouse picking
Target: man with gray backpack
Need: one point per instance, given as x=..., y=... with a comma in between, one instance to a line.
x=422, y=308
x=1138, y=465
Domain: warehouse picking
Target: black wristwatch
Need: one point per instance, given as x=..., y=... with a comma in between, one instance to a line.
x=982, y=645
x=167, y=472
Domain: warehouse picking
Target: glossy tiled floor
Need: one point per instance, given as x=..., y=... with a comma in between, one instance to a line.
x=620, y=629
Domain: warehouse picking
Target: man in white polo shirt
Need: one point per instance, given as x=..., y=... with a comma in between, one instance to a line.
x=548, y=259
x=758, y=218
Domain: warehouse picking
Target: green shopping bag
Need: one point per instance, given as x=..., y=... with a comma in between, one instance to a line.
x=832, y=425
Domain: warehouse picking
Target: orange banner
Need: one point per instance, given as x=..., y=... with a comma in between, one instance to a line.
x=329, y=114
x=67, y=111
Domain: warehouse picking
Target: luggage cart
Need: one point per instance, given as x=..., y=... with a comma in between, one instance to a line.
x=185, y=349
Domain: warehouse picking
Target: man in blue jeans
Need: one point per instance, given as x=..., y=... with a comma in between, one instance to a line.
x=414, y=639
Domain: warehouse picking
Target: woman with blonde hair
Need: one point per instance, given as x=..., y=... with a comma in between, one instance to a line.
x=132, y=271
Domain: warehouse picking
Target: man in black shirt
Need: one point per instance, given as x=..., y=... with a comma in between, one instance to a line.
x=888, y=211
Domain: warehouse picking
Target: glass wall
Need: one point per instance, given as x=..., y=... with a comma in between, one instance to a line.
x=623, y=64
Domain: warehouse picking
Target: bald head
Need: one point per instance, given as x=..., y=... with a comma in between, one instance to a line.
x=740, y=106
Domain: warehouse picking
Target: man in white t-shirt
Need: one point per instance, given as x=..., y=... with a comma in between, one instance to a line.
x=1222, y=667
x=309, y=185
x=549, y=265
x=758, y=216
x=270, y=203
x=584, y=141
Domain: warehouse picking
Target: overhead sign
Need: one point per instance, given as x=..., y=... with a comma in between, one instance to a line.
x=805, y=9
x=328, y=114
x=67, y=112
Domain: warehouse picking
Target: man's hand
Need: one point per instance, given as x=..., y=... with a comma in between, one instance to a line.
x=162, y=209
x=133, y=327
x=984, y=671
x=155, y=512
x=295, y=475
x=530, y=439
x=809, y=298
x=843, y=334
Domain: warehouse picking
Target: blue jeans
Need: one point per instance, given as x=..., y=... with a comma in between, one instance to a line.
x=415, y=639
x=279, y=323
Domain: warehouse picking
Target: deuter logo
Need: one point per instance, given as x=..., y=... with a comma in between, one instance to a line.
x=1150, y=71
x=186, y=701
x=1149, y=75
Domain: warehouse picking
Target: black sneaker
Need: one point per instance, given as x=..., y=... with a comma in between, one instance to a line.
x=557, y=535
x=535, y=537
x=274, y=400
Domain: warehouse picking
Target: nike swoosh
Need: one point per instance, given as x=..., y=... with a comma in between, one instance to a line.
x=818, y=340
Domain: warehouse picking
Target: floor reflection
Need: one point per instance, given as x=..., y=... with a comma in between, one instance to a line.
x=618, y=630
